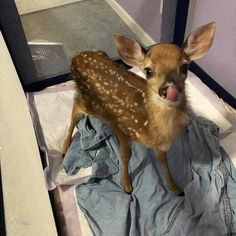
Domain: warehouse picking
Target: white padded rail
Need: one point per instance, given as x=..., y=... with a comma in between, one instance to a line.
x=26, y=201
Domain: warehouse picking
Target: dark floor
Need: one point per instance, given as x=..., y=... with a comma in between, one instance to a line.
x=85, y=25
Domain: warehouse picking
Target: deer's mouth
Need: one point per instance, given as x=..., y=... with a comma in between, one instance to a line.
x=170, y=92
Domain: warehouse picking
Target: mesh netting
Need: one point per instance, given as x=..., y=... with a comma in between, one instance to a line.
x=49, y=58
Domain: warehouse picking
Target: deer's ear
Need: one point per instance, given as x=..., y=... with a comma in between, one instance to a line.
x=130, y=51
x=199, y=41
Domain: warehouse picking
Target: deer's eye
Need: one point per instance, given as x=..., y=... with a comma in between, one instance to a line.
x=149, y=72
x=184, y=68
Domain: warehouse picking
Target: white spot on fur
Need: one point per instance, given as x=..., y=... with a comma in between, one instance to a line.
x=145, y=123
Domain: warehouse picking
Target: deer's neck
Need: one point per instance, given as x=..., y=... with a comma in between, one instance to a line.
x=165, y=122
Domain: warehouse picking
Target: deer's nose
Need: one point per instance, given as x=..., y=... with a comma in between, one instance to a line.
x=170, y=91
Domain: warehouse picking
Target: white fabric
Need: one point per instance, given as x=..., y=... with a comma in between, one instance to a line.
x=54, y=108
x=54, y=111
x=205, y=103
x=26, y=201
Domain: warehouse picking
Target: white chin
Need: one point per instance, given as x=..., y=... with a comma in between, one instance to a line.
x=170, y=103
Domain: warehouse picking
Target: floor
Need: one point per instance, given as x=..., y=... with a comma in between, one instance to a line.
x=80, y=26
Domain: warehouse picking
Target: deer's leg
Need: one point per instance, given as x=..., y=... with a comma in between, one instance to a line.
x=75, y=114
x=164, y=165
x=125, y=155
x=125, y=152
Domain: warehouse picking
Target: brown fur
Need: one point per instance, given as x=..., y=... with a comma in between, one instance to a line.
x=135, y=108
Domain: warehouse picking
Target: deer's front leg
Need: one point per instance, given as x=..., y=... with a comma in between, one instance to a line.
x=125, y=155
x=164, y=165
x=75, y=114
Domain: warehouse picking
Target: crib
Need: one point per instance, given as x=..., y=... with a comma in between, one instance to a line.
x=37, y=196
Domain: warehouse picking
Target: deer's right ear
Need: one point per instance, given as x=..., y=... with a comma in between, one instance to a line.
x=130, y=51
x=199, y=41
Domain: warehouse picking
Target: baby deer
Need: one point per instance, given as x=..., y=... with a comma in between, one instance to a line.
x=152, y=111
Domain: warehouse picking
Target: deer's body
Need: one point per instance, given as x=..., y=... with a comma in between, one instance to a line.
x=117, y=96
x=124, y=100
x=153, y=111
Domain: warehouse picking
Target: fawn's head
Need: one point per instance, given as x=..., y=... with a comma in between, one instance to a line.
x=166, y=65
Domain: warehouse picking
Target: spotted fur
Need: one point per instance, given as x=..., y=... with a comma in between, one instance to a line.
x=153, y=111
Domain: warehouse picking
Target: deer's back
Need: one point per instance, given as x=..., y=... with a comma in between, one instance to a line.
x=111, y=92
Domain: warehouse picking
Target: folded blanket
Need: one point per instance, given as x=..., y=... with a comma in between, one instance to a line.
x=198, y=164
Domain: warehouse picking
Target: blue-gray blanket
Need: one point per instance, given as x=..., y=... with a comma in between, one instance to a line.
x=198, y=164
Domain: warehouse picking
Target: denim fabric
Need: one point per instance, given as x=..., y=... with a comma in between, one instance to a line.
x=197, y=163
x=91, y=145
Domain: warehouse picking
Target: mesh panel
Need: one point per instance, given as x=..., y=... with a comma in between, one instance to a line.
x=26, y=202
x=49, y=59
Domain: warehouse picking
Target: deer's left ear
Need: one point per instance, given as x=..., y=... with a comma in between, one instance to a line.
x=199, y=41
x=129, y=49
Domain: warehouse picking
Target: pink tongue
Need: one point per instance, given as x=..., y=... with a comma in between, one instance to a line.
x=172, y=93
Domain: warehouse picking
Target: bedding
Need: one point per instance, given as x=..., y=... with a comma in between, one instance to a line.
x=51, y=108
x=197, y=163
x=50, y=111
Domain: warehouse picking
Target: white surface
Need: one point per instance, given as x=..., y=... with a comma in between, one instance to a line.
x=202, y=104
x=229, y=143
x=28, y=6
x=54, y=111
x=26, y=202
